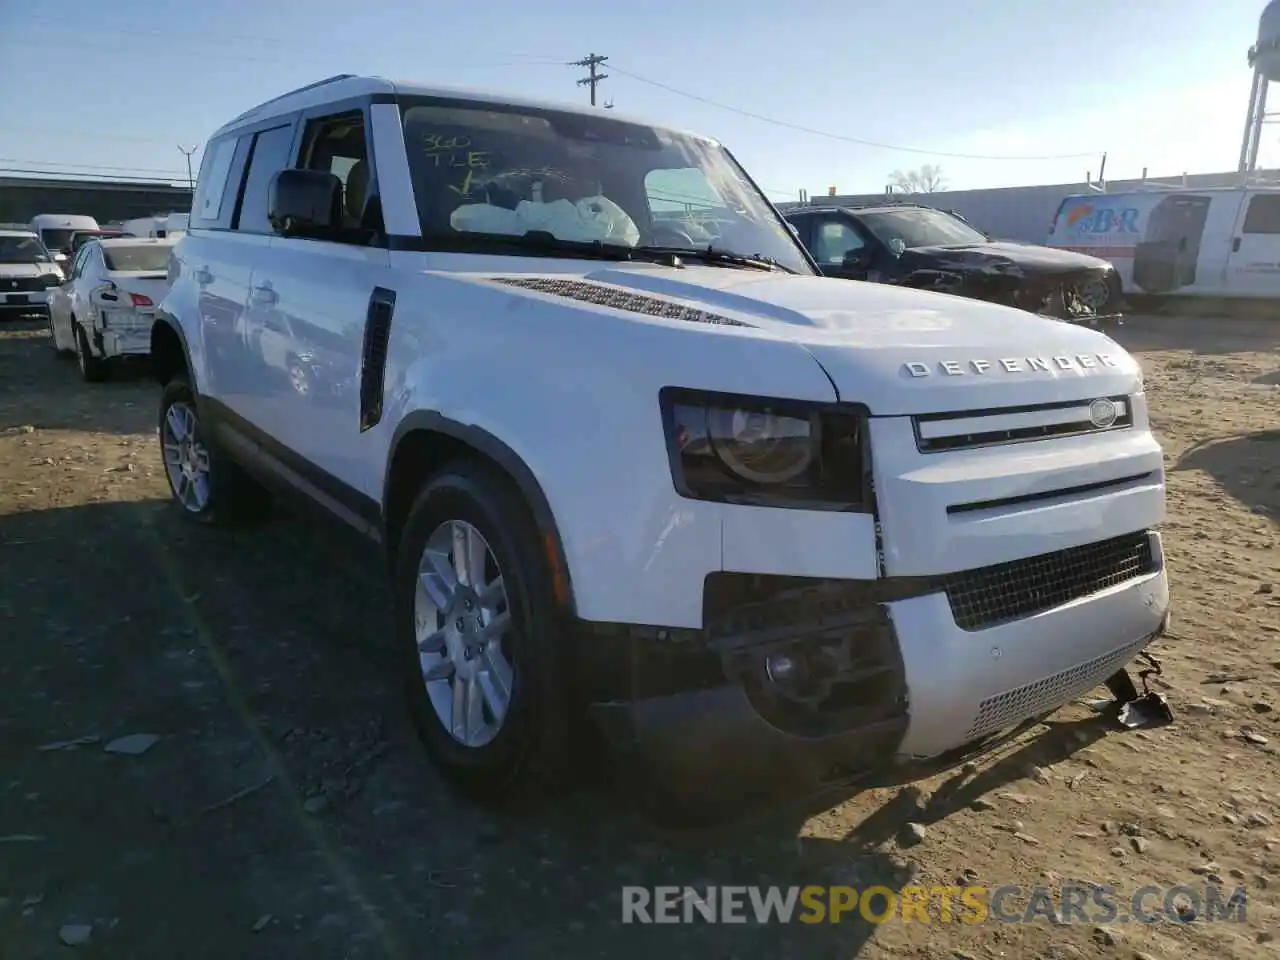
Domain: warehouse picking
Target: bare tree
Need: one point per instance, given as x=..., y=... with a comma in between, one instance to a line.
x=927, y=179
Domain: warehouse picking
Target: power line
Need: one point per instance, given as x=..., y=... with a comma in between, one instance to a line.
x=86, y=166
x=837, y=136
x=74, y=176
x=593, y=78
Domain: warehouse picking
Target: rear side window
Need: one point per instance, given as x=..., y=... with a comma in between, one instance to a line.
x=212, y=187
x=1263, y=215
x=271, y=154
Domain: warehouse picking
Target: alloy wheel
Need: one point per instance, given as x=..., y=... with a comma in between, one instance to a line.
x=461, y=620
x=186, y=458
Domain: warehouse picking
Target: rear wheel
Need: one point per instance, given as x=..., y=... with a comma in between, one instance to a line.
x=93, y=369
x=484, y=669
x=206, y=486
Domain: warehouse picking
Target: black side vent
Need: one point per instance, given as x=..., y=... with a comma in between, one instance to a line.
x=373, y=359
x=604, y=296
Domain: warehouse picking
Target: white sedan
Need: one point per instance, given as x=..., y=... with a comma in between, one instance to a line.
x=106, y=307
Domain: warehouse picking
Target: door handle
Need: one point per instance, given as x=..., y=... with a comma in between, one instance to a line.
x=204, y=277
x=264, y=294
x=1235, y=245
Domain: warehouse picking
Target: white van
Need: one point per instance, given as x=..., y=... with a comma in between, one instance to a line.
x=55, y=230
x=1221, y=242
x=160, y=226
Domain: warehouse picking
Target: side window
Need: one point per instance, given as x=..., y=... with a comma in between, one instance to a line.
x=336, y=145
x=1263, y=215
x=833, y=240
x=77, y=266
x=212, y=185
x=270, y=155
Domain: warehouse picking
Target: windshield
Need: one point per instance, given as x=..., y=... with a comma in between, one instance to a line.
x=152, y=258
x=917, y=227
x=481, y=169
x=23, y=250
x=57, y=239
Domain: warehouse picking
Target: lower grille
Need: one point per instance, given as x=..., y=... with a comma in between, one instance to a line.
x=997, y=594
x=1042, y=696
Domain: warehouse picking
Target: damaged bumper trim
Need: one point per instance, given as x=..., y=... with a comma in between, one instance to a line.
x=792, y=687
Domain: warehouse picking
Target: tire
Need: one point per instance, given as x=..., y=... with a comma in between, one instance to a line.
x=230, y=495
x=93, y=369
x=524, y=763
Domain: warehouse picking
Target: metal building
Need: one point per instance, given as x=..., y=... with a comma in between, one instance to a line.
x=21, y=198
x=1026, y=213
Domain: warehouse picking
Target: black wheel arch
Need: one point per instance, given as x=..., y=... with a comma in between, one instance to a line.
x=439, y=438
x=170, y=353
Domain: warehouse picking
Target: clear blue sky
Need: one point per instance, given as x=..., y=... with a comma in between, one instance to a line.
x=1156, y=83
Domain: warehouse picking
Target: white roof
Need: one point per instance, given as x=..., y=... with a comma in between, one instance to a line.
x=1166, y=190
x=110, y=242
x=347, y=86
x=16, y=233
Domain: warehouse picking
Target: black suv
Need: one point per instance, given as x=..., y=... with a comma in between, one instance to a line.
x=918, y=246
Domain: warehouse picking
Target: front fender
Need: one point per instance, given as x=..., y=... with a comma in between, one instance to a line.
x=571, y=391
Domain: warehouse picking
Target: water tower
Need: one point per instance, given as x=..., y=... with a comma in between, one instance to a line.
x=1264, y=57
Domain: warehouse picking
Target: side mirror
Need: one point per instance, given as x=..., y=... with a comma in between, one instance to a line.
x=304, y=203
x=60, y=257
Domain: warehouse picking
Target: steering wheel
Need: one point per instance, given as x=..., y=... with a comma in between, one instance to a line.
x=668, y=236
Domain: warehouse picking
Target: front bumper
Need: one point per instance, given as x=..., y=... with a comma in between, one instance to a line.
x=1088, y=297
x=692, y=716
x=26, y=303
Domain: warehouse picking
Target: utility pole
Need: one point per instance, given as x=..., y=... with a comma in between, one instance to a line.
x=191, y=184
x=591, y=62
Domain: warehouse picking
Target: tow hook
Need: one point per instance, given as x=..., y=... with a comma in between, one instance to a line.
x=1130, y=709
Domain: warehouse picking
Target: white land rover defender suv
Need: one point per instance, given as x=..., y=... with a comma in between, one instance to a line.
x=630, y=457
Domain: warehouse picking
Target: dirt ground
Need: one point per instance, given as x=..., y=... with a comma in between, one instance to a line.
x=287, y=811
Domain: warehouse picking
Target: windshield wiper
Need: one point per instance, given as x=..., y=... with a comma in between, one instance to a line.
x=710, y=255
x=532, y=242
x=548, y=244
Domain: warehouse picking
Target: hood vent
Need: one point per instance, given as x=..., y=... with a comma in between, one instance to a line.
x=617, y=299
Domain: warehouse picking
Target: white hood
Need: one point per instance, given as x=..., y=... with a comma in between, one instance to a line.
x=903, y=351
x=9, y=271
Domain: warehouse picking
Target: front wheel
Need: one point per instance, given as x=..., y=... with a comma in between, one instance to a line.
x=207, y=487
x=484, y=669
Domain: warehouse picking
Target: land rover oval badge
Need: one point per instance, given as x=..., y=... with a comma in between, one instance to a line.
x=1102, y=413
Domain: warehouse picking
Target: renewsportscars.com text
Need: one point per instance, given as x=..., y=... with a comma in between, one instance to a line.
x=1071, y=903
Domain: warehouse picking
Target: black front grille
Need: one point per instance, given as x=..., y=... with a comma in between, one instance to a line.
x=1021, y=588
x=22, y=284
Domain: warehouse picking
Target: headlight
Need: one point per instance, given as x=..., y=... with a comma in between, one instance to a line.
x=776, y=453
